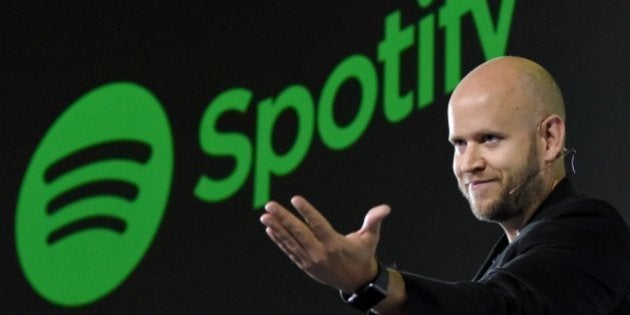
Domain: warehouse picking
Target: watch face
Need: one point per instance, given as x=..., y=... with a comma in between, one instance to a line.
x=372, y=293
x=368, y=297
x=376, y=290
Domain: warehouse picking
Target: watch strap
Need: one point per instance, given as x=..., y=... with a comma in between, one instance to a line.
x=370, y=294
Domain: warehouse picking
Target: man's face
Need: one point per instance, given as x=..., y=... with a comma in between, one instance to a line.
x=496, y=160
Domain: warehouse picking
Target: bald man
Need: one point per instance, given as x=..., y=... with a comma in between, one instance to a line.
x=562, y=253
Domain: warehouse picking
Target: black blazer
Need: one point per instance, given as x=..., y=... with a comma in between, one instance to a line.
x=573, y=257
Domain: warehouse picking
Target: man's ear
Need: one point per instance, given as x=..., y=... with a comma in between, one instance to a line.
x=552, y=132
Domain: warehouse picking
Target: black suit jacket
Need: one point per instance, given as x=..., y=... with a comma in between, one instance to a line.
x=573, y=257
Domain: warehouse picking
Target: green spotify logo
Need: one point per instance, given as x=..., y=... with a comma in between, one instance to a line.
x=94, y=194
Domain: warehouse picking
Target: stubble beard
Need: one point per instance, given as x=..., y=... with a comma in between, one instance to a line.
x=516, y=196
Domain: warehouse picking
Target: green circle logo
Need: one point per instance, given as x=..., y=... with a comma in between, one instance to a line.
x=94, y=194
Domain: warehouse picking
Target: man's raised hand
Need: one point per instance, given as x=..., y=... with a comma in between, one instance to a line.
x=344, y=262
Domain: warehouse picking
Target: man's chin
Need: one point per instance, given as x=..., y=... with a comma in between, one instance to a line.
x=488, y=212
x=481, y=208
x=483, y=215
x=497, y=213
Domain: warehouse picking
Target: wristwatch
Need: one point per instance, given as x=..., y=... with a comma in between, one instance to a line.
x=370, y=294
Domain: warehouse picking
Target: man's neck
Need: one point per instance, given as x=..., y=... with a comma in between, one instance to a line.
x=513, y=227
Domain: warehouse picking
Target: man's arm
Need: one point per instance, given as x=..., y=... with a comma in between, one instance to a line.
x=575, y=265
x=345, y=262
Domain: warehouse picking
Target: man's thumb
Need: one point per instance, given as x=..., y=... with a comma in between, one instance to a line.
x=373, y=219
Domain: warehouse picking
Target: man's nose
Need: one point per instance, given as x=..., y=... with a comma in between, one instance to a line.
x=472, y=160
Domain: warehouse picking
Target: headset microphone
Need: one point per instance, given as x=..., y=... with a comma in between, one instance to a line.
x=527, y=179
x=533, y=174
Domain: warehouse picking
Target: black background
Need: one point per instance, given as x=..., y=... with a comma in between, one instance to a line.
x=215, y=257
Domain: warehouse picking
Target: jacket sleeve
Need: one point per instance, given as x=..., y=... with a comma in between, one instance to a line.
x=573, y=265
x=429, y=296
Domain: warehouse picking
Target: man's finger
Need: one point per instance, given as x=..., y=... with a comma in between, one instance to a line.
x=289, y=226
x=374, y=218
x=281, y=236
x=297, y=259
x=318, y=224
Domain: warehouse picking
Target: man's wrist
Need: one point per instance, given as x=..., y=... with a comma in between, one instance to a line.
x=370, y=294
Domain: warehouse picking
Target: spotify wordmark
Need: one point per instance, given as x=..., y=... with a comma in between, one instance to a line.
x=94, y=194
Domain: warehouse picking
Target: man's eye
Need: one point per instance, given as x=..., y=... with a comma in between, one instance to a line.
x=490, y=139
x=458, y=143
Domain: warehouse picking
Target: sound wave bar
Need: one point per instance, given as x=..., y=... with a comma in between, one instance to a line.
x=118, y=188
x=94, y=222
x=127, y=149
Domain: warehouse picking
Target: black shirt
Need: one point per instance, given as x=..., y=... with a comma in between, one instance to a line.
x=573, y=257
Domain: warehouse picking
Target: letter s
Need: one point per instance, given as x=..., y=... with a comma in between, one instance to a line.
x=216, y=143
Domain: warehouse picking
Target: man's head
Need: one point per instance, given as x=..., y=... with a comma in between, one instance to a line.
x=506, y=123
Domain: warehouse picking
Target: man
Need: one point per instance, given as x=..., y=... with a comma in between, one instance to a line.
x=562, y=253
